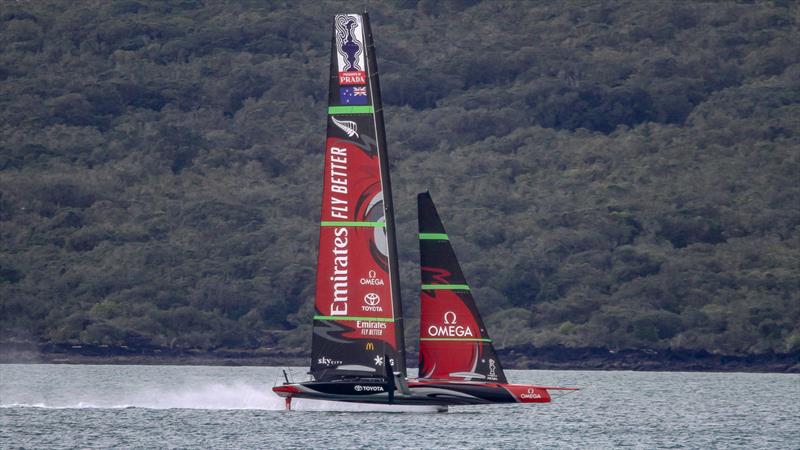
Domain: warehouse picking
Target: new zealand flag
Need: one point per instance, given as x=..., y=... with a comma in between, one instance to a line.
x=355, y=95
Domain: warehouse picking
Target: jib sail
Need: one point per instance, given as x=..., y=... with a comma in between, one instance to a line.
x=358, y=314
x=454, y=343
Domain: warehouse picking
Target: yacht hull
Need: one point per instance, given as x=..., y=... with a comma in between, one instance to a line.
x=419, y=392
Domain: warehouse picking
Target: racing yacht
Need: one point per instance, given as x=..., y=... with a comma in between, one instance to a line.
x=358, y=349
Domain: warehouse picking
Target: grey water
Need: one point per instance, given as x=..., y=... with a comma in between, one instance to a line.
x=91, y=406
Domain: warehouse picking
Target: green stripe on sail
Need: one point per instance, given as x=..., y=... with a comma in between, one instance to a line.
x=350, y=109
x=456, y=339
x=354, y=318
x=438, y=287
x=351, y=223
x=433, y=236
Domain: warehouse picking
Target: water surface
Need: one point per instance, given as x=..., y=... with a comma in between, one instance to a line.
x=80, y=406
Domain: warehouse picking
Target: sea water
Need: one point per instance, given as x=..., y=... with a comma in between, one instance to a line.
x=92, y=406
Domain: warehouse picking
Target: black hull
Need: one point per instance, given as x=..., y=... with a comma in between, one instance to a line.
x=445, y=393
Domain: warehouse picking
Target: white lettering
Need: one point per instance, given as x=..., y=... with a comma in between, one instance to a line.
x=372, y=279
x=338, y=182
x=325, y=361
x=369, y=328
x=450, y=331
x=371, y=303
x=339, y=278
x=370, y=324
x=531, y=394
x=359, y=388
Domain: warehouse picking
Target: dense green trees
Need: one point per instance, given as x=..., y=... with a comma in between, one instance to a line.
x=621, y=174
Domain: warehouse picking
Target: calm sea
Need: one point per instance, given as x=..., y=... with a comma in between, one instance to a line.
x=71, y=406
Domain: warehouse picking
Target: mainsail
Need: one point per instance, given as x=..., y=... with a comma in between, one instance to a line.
x=358, y=314
x=453, y=343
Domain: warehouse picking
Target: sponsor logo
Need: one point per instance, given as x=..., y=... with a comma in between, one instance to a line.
x=325, y=361
x=360, y=388
x=348, y=126
x=339, y=278
x=379, y=361
x=339, y=210
x=371, y=301
x=353, y=95
x=492, y=370
x=350, y=50
x=369, y=346
x=450, y=327
x=531, y=394
x=369, y=328
x=349, y=78
x=338, y=179
x=372, y=280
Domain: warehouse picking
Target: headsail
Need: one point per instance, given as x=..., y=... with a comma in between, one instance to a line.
x=358, y=313
x=454, y=343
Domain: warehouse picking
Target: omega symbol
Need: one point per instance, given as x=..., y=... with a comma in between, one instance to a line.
x=452, y=316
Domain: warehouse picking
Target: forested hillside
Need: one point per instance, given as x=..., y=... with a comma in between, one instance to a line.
x=612, y=174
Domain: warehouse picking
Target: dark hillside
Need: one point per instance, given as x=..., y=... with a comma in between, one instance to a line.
x=614, y=175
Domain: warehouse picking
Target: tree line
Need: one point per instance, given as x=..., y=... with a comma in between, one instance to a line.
x=615, y=174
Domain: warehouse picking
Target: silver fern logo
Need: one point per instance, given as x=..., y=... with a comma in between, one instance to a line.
x=348, y=126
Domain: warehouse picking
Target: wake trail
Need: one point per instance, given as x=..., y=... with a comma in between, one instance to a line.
x=206, y=397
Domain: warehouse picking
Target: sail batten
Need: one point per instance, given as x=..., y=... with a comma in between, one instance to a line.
x=351, y=110
x=449, y=287
x=351, y=223
x=355, y=318
x=358, y=314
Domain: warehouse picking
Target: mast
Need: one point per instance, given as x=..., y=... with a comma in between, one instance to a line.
x=388, y=202
x=358, y=315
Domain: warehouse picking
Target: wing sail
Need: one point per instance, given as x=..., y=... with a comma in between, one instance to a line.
x=358, y=313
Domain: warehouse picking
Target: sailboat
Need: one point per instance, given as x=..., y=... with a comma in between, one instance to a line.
x=358, y=349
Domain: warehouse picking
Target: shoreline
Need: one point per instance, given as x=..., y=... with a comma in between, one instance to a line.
x=550, y=358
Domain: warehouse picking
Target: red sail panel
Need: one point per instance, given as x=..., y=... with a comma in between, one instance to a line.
x=450, y=337
x=357, y=321
x=352, y=273
x=454, y=343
